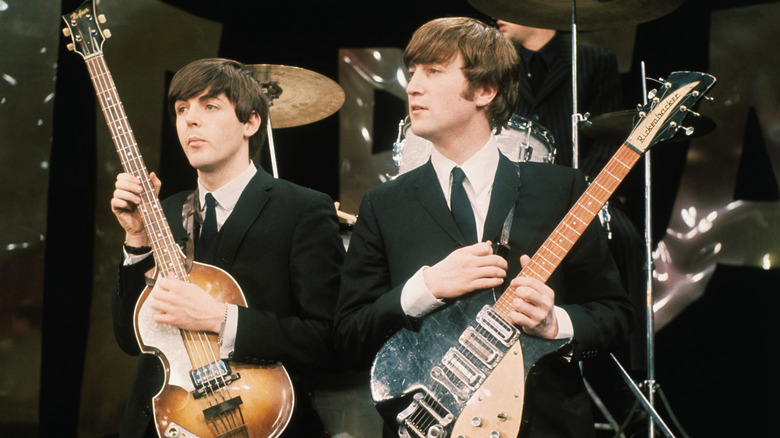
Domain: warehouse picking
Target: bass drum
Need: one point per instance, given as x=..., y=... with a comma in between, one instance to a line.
x=520, y=140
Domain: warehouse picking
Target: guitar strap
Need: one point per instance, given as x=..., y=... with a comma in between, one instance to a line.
x=190, y=215
x=502, y=246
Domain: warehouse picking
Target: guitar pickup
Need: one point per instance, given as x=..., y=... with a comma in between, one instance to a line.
x=458, y=375
x=211, y=377
x=463, y=368
x=497, y=326
x=480, y=347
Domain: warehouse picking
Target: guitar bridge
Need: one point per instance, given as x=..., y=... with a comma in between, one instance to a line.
x=425, y=417
x=211, y=377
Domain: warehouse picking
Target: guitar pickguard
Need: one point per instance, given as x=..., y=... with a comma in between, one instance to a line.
x=165, y=338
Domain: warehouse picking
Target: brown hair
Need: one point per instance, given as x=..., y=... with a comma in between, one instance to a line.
x=489, y=58
x=219, y=76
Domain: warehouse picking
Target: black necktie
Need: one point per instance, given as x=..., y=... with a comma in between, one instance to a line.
x=461, y=207
x=537, y=71
x=208, y=231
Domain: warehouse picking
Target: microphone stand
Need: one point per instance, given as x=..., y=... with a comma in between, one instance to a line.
x=647, y=403
x=649, y=383
x=271, y=150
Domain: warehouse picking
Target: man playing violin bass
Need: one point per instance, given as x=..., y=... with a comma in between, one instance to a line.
x=410, y=257
x=279, y=241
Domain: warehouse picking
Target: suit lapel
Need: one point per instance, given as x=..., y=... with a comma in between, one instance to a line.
x=430, y=196
x=251, y=202
x=502, y=199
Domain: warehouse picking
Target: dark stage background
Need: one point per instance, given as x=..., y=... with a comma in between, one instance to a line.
x=715, y=198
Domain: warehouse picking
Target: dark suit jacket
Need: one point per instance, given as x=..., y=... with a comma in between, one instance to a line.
x=405, y=224
x=282, y=245
x=598, y=92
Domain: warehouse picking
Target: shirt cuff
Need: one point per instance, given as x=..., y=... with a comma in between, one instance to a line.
x=229, y=334
x=131, y=259
x=416, y=299
x=565, y=327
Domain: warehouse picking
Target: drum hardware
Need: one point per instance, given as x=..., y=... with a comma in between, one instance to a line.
x=525, y=140
x=351, y=219
x=605, y=219
x=296, y=97
x=346, y=225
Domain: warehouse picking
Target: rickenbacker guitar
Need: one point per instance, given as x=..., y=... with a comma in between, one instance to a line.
x=203, y=395
x=463, y=373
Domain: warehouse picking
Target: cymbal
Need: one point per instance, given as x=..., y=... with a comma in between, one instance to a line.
x=297, y=96
x=590, y=14
x=617, y=126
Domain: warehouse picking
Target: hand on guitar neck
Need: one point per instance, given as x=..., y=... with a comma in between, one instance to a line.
x=533, y=306
x=124, y=205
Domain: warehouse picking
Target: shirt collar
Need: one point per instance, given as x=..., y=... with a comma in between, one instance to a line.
x=227, y=195
x=480, y=169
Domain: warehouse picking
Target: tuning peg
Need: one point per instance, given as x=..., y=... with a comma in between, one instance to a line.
x=101, y=18
x=66, y=31
x=687, y=130
x=684, y=108
x=651, y=94
x=107, y=33
x=70, y=47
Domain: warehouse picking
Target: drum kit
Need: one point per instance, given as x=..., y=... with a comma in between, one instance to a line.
x=298, y=97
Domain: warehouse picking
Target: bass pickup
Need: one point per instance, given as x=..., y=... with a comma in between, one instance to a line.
x=211, y=377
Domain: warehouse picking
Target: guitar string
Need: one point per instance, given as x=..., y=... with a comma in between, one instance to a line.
x=133, y=163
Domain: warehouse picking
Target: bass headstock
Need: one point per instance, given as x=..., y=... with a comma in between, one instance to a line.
x=83, y=28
